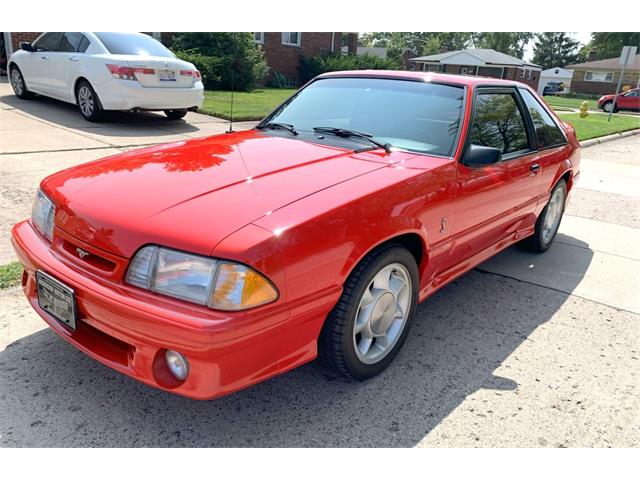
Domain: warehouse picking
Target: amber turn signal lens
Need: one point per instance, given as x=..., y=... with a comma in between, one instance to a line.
x=238, y=287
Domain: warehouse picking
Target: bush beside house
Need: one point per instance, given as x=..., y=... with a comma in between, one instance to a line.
x=310, y=67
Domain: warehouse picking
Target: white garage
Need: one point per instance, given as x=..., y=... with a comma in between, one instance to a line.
x=556, y=74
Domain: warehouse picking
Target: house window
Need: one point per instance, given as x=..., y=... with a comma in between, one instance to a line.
x=598, y=77
x=258, y=37
x=291, y=38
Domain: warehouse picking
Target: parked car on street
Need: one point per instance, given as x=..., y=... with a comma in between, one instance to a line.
x=208, y=265
x=629, y=100
x=553, y=88
x=106, y=71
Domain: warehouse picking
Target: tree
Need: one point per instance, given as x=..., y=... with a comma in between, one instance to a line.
x=552, y=49
x=223, y=55
x=609, y=44
x=511, y=43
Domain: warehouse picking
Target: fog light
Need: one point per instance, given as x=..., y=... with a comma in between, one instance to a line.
x=178, y=364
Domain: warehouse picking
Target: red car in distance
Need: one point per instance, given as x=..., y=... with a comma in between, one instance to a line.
x=629, y=100
x=204, y=266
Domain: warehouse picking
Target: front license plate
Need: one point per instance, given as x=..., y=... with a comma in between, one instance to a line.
x=167, y=75
x=57, y=299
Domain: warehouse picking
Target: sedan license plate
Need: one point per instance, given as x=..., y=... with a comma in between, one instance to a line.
x=57, y=299
x=167, y=75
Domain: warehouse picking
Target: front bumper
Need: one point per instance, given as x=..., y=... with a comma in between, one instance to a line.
x=127, y=95
x=129, y=330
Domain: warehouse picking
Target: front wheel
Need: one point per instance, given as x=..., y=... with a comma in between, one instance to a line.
x=18, y=84
x=88, y=102
x=370, y=322
x=549, y=220
x=175, y=114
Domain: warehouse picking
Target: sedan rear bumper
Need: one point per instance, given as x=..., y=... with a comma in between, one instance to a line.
x=128, y=95
x=130, y=333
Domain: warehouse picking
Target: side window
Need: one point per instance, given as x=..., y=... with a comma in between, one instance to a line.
x=498, y=123
x=48, y=42
x=84, y=44
x=548, y=134
x=71, y=42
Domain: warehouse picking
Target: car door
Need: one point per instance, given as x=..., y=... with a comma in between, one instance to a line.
x=37, y=74
x=64, y=65
x=496, y=201
x=629, y=100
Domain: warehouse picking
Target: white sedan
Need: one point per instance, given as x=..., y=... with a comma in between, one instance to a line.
x=106, y=71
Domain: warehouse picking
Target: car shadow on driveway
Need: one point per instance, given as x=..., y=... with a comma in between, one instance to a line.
x=67, y=115
x=53, y=395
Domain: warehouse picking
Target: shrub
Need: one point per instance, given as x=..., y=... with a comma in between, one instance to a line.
x=224, y=57
x=310, y=67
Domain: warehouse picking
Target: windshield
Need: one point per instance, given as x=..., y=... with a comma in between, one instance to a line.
x=415, y=116
x=133, y=44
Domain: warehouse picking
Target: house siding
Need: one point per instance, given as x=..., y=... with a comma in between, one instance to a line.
x=580, y=85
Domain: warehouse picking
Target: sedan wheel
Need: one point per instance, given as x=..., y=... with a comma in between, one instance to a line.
x=549, y=220
x=88, y=102
x=370, y=322
x=18, y=84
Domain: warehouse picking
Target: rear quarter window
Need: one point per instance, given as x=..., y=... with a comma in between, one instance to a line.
x=548, y=134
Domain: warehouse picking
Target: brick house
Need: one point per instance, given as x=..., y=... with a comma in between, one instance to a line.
x=481, y=62
x=600, y=77
x=282, y=49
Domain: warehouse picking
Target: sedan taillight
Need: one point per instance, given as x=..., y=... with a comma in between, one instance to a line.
x=121, y=72
x=191, y=73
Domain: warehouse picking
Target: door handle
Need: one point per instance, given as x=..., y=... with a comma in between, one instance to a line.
x=73, y=59
x=44, y=57
x=534, y=169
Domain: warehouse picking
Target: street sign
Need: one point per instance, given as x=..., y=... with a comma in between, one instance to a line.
x=627, y=54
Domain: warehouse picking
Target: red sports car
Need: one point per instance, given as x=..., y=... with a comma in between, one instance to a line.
x=204, y=266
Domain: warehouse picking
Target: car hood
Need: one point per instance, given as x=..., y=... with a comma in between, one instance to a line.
x=192, y=194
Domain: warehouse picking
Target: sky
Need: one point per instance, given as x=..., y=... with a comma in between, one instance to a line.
x=582, y=37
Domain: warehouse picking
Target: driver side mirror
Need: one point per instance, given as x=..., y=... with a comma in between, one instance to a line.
x=479, y=155
x=26, y=46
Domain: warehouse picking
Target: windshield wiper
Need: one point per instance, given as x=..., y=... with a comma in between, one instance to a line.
x=282, y=126
x=345, y=132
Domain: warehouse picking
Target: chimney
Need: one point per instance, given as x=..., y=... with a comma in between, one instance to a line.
x=593, y=55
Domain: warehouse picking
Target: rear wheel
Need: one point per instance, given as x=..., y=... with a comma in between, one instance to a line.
x=368, y=326
x=18, y=84
x=549, y=220
x=88, y=102
x=175, y=114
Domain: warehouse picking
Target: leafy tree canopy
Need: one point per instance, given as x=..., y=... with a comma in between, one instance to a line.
x=552, y=49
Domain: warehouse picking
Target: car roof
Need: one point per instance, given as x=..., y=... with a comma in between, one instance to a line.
x=423, y=77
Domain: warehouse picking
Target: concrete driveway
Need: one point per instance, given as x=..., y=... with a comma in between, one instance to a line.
x=527, y=350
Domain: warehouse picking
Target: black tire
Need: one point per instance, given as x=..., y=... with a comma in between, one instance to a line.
x=606, y=106
x=88, y=102
x=18, y=84
x=536, y=242
x=336, y=342
x=175, y=114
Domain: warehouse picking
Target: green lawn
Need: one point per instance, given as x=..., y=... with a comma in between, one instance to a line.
x=595, y=125
x=246, y=105
x=566, y=102
x=10, y=274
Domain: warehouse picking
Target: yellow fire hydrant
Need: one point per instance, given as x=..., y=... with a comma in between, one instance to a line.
x=584, y=106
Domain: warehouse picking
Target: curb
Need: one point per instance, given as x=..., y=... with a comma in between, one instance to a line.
x=608, y=138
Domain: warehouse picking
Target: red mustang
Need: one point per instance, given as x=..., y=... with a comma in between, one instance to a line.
x=204, y=266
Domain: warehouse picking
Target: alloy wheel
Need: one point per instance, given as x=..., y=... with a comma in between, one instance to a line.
x=553, y=215
x=382, y=313
x=16, y=82
x=85, y=100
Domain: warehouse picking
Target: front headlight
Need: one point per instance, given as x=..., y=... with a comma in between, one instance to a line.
x=219, y=284
x=42, y=214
